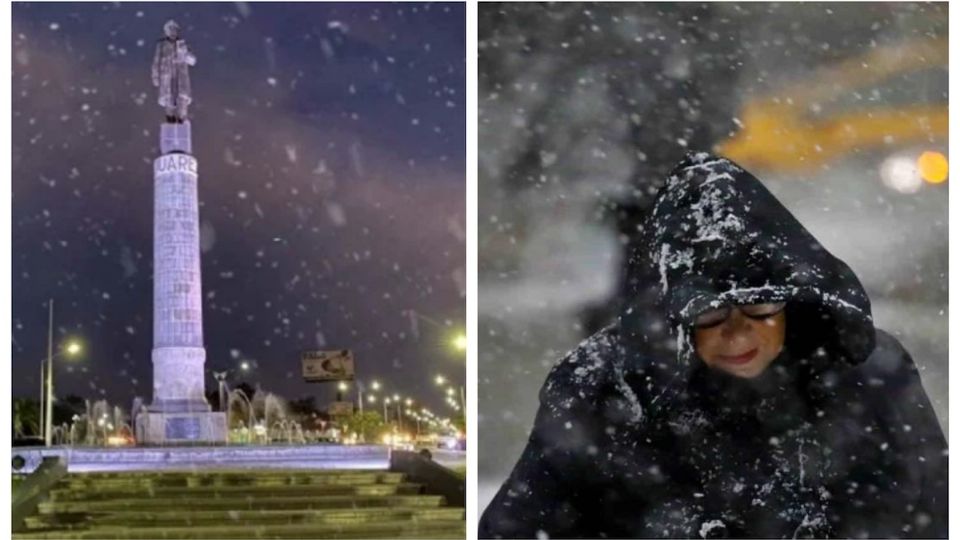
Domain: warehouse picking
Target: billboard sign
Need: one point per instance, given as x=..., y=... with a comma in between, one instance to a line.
x=324, y=366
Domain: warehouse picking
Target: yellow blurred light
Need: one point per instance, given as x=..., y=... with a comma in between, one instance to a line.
x=342, y=386
x=440, y=379
x=117, y=440
x=460, y=342
x=408, y=402
x=933, y=167
x=73, y=348
x=449, y=391
x=375, y=385
x=372, y=399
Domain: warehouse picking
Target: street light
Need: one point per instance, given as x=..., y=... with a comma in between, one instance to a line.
x=450, y=390
x=375, y=385
x=221, y=377
x=72, y=348
x=245, y=366
x=343, y=387
x=460, y=342
x=396, y=397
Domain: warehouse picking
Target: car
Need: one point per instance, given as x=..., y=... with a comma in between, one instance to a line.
x=452, y=442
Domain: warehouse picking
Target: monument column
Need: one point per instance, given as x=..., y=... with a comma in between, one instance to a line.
x=178, y=353
x=179, y=412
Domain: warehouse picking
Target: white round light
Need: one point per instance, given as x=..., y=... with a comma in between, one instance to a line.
x=900, y=173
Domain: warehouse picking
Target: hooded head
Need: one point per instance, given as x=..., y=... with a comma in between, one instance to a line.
x=716, y=236
x=171, y=29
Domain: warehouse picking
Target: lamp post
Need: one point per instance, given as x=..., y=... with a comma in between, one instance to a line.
x=359, y=395
x=396, y=398
x=221, y=377
x=343, y=387
x=42, y=420
x=406, y=409
x=72, y=348
x=441, y=380
x=341, y=391
x=48, y=418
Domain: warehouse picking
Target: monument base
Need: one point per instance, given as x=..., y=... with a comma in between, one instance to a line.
x=181, y=428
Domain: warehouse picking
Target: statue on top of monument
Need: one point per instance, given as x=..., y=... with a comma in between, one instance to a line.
x=170, y=73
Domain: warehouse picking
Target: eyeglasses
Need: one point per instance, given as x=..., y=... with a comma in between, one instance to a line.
x=717, y=316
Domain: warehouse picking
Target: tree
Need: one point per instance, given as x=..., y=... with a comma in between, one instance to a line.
x=26, y=417
x=368, y=425
x=305, y=410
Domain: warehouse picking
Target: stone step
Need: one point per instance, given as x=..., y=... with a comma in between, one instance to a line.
x=87, y=481
x=97, y=493
x=239, y=517
x=227, y=471
x=241, y=502
x=384, y=529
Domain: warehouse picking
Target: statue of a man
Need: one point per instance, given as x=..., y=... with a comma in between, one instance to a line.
x=171, y=74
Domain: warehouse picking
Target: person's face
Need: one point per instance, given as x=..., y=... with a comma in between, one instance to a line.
x=740, y=340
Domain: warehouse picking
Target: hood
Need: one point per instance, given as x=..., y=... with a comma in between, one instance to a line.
x=716, y=235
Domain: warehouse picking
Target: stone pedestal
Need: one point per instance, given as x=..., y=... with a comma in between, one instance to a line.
x=179, y=412
x=156, y=427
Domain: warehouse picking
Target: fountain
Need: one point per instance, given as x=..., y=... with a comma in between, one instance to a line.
x=238, y=399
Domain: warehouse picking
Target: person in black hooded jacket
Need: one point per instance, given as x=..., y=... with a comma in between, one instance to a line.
x=742, y=392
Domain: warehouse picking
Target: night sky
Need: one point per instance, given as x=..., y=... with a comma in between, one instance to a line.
x=330, y=141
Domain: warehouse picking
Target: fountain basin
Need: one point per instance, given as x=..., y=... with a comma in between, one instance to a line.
x=316, y=456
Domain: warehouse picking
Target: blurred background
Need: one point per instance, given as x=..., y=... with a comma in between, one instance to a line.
x=841, y=109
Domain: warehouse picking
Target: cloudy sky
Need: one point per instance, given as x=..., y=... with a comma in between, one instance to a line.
x=330, y=141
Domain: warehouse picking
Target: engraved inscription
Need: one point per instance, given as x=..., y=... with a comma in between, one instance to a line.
x=183, y=428
x=175, y=163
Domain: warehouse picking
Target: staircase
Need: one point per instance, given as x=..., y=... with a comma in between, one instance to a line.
x=243, y=504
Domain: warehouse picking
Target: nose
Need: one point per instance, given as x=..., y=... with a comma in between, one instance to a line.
x=736, y=326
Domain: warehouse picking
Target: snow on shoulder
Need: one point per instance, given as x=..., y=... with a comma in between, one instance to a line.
x=585, y=375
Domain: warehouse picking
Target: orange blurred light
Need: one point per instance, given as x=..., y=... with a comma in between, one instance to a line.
x=117, y=440
x=933, y=167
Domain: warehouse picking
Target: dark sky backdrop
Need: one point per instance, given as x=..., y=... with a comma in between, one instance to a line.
x=330, y=141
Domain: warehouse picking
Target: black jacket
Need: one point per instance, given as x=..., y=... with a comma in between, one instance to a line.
x=636, y=437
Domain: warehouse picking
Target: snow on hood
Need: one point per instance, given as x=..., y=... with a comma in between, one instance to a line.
x=716, y=235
